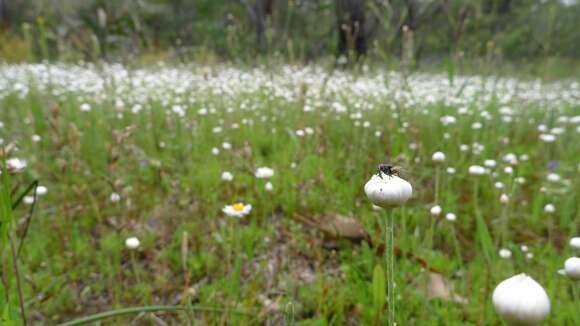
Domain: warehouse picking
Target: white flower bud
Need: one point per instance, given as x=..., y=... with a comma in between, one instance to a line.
x=489, y=163
x=227, y=176
x=388, y=191
x=438, y=157
x=575, y=242
x=549, y=208
x=115, y=197
x=28, y=200
x=41, y=190
x=268, y=186
x=450, y=217
x=435, y=210
x=264, y=173
x=132, y=243
x=519, y=300
x=572, y=268
x=226, y=146
x=476, y=170
x=504, y=199
x=505, y=253
x=547, y=138
x=529, y=255
x=553, y=177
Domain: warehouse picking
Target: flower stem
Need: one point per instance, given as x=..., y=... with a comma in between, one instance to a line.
x=576, y=293
x=135, y=267
x=390, y=261
x=437, y=184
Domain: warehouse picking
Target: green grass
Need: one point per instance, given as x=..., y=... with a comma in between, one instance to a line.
x=75, y=264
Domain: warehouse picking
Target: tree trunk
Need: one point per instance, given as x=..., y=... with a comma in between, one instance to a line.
x=261, y=10
x=4, y=14
x=258, y=13
x=350, y=17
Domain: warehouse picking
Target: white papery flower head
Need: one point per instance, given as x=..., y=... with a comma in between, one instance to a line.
x=237, y=210
x=547, y=138
x=41, y=190
x=264, y=173
x=115, y=197
x=16, y=164
x=510, y=158
x=268, y=186
x=132, y=243
x=553, y=177
x=572, y=268
x=438, y=157
x=490, y=163
x=504, y=199
x=386, y=191
x=505, y=253
x=227, y=176
x=447, y=120
x=435, y=210
x=476, y=170
x=549, y=208
x=520, y=300
x=85, y=107
x=450, y=217
x=575, y=242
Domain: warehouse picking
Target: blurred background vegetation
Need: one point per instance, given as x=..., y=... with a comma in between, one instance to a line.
x=412, y=32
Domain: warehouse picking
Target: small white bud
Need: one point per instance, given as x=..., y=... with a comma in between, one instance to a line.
x=549, y=208
x=572, y=268
x=435, y=210
x=450, y=217
x=132, y=243
x=438, y=157
x=505, y=253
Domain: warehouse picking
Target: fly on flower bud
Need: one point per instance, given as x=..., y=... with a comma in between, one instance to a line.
x=386, y=188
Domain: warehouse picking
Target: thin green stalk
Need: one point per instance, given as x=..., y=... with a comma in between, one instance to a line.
x=18, y=284
x=576, y=293
x=432, y=218
x=390, y=261
x=135, y=268
x=456, y=244
x=437, y=183
x=133, y=310
x=505, y=215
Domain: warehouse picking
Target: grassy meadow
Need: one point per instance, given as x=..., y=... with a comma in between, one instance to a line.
x=121, y=153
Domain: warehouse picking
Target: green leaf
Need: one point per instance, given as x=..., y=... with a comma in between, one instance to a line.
x=484, y=239
x=379, y=287
x=5, y=206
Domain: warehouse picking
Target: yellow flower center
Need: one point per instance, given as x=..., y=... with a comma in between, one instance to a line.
x=238, y=207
